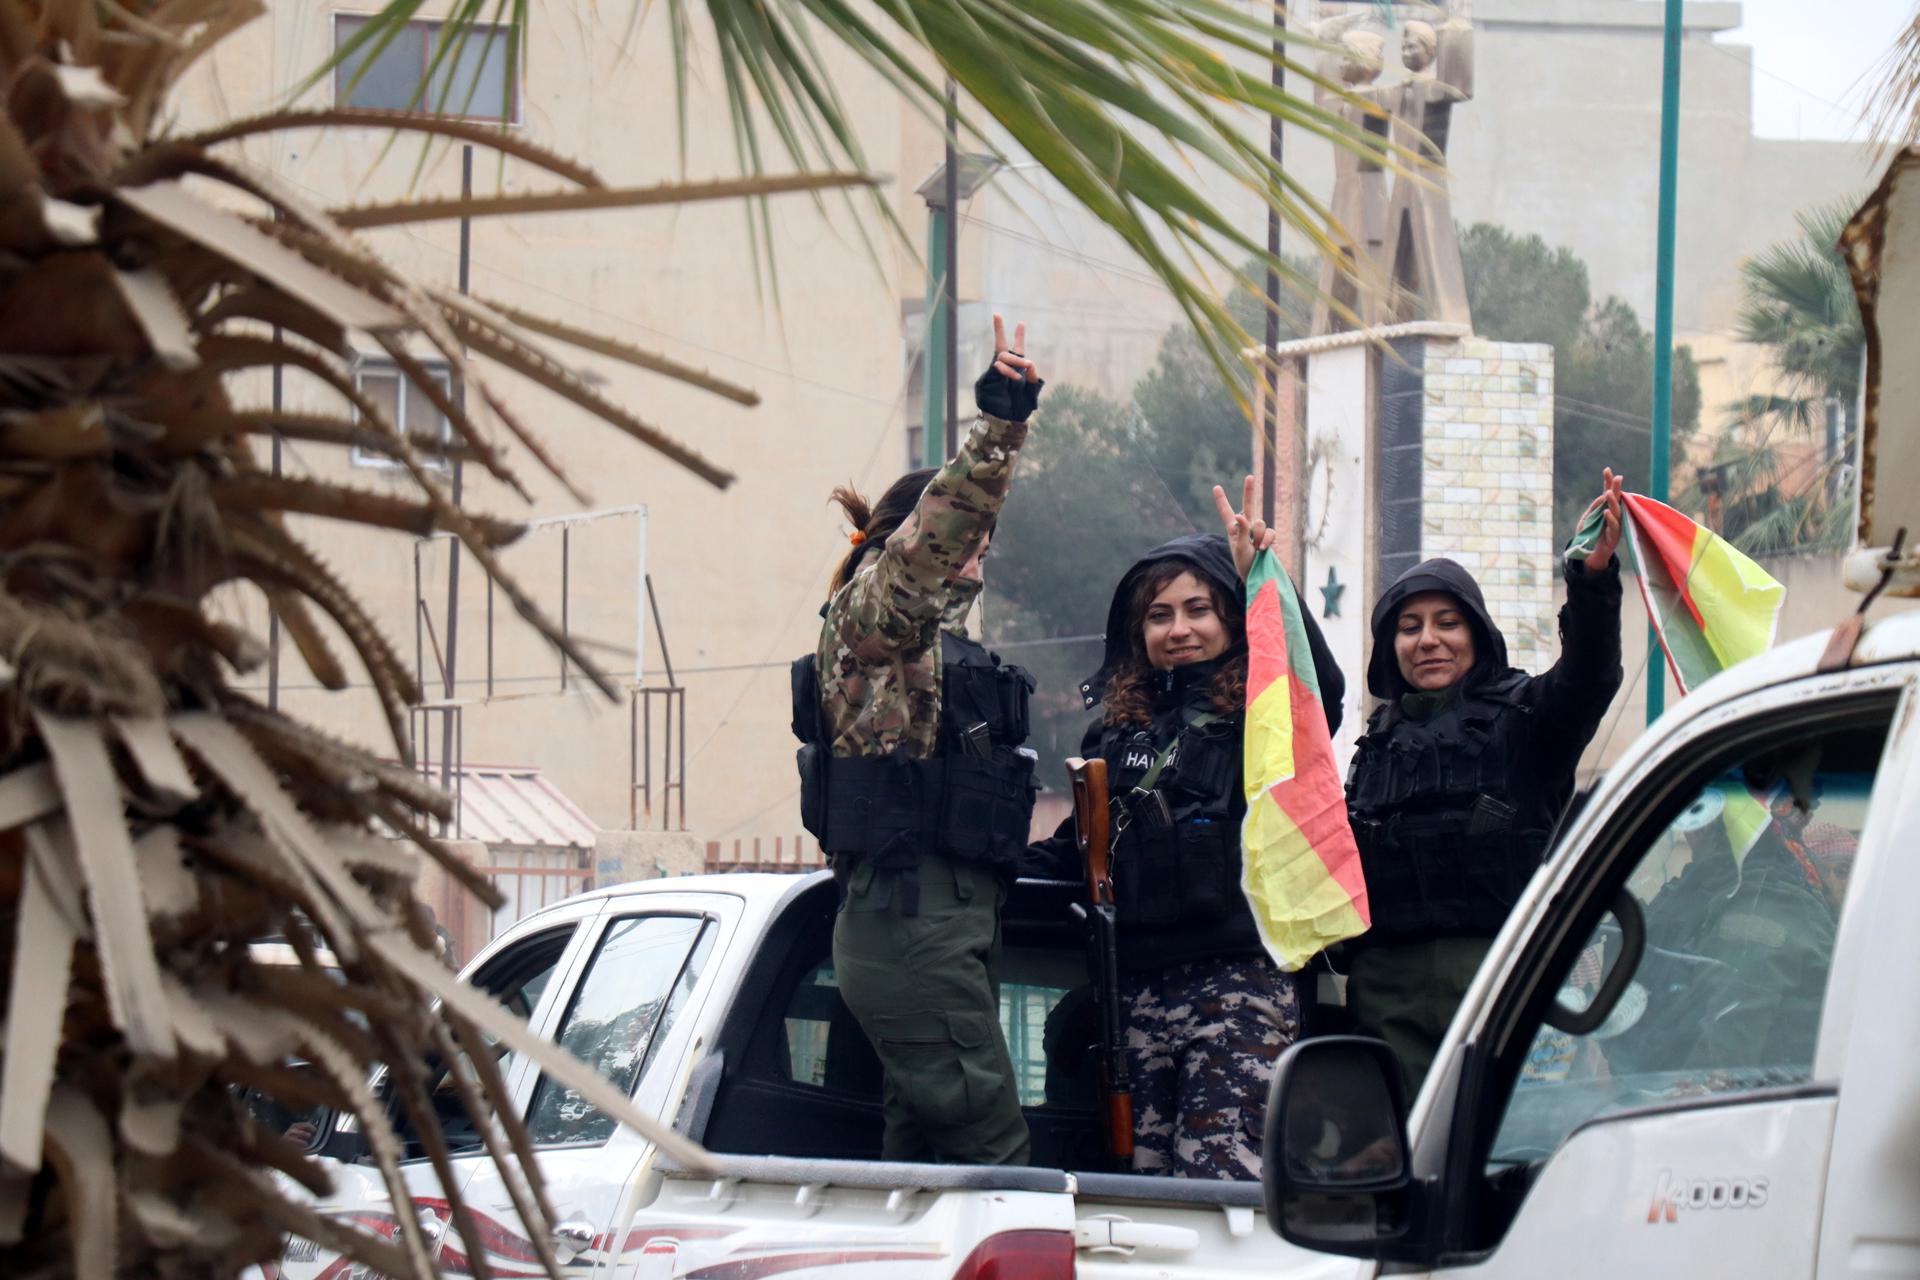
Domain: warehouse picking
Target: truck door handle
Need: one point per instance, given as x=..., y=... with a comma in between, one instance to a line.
x=570, y=1239
x=1123, y=1235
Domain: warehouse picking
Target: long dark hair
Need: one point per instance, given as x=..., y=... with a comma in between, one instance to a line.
x=1129, y=696
x=875, y=522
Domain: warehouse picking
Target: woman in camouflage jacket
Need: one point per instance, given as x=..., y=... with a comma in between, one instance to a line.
x=915, y=781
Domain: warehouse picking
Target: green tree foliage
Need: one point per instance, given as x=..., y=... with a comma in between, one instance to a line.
x=1089, y=499
x=1101, y=481
x=1523, y=290
x=1800, y=305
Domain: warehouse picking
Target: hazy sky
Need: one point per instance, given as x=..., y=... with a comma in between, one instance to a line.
x=1814, y=61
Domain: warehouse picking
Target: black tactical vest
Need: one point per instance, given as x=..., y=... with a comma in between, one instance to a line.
x=972, y=800
x=1446, y=845
x=1176, y=853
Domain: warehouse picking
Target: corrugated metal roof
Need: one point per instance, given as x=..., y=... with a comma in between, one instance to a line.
x=516, y=805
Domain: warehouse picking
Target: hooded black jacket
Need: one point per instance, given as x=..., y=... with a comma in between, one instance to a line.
x=1452, y=812
x=1174, y=914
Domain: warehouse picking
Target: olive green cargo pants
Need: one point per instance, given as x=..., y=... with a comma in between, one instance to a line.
x=1407, y=995
x=925, y=989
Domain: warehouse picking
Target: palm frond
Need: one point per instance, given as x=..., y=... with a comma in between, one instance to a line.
x=1800, y=302
x=1895, y=106
x=361, y=217
x=1076, y=84
x=153, y=820
x=488, y=136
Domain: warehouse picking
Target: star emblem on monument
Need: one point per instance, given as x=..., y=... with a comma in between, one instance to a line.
x=1331, y=594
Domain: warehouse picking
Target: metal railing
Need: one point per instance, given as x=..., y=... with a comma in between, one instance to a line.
x=670, y=788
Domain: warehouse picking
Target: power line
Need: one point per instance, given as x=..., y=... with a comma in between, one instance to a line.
x=1042, y=242
x=1752, y=63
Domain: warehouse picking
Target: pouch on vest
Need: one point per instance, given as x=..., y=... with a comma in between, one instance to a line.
x=1146, y=872
x=986, y=805
x=805, y=679
x=812, y=759
x=1016, y=691
x=1208, y=876
x=1204, y=765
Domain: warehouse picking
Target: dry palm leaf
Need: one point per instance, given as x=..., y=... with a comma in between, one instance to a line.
x=154, y=821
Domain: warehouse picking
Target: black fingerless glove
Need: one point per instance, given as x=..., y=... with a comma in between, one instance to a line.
x=1009, y=399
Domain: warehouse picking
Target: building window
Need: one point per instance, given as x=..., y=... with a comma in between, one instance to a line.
x=404, y=405
x=473, y=78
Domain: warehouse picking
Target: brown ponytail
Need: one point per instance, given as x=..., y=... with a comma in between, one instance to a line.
x=875, y=522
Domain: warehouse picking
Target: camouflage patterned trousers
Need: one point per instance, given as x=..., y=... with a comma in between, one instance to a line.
x=1202, y=1039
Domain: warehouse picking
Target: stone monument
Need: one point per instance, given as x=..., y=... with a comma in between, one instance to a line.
x=1406, y=436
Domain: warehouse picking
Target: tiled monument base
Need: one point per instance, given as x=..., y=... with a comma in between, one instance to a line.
x=1419, y=441
x=1486, y=480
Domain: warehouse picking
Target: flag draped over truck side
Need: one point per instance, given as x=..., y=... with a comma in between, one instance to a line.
x=1711, y=606
x=1300, y=868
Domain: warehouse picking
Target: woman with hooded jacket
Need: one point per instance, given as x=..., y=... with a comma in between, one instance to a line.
x=1460, y=778
x=1208, y=1013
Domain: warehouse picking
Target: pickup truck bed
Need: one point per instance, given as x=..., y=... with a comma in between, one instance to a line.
x=728, y=1022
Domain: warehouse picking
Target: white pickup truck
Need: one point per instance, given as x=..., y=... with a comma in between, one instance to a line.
x=712, y=998
x=1691, y=1052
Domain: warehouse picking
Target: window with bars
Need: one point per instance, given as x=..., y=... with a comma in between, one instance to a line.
x=404, y=405
x=474, y=78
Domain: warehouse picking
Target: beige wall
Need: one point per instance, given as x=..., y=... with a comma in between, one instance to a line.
x=739, y=574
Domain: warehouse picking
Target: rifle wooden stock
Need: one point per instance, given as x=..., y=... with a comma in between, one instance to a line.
x=1120, y=1125
x=1088, y=780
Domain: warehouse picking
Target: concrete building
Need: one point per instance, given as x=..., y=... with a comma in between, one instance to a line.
x=1560, y=139
x=1563, y=139
x=737, y=575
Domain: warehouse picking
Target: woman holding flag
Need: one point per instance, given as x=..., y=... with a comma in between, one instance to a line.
x=1207, y=1011
x=1462, y=774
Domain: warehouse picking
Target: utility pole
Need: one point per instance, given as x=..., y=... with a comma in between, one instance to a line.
x=1270, y=371
x=1663, y=313
x=453, y=544
x=953, y=274
x=959, y=176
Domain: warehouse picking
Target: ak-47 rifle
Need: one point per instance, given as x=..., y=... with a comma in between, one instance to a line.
x=1088, y=779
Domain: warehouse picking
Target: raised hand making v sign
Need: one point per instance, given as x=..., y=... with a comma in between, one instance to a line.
x=1248, y=538
x=1601, y=557
x=1011, y=388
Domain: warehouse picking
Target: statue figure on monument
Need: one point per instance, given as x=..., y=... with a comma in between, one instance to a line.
x=1423, y=251
x=1355, y=288
x=1403, y=257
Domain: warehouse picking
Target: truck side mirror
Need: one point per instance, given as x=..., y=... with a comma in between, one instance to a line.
x=1338, y=1177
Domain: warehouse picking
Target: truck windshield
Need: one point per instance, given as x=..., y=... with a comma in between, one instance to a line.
x=1741, y=895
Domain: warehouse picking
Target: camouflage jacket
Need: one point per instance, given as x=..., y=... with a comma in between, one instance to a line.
x=879, y=651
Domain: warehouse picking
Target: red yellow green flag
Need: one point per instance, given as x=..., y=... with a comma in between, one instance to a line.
x=1300, y=868
x=1711, y=606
